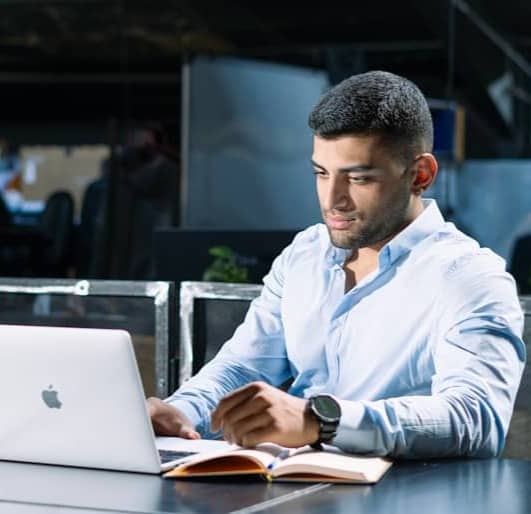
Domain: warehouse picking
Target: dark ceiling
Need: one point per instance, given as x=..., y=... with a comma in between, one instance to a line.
x=91, y=60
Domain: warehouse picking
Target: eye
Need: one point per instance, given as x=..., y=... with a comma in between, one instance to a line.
x=320, y=173
x=359, y=179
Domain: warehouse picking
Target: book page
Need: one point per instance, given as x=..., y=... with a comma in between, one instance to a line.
x=332, y=464
x=193, y=445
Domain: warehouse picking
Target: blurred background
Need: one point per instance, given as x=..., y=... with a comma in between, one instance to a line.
x=155, y=140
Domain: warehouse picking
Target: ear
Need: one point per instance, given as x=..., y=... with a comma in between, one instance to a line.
x=425, y=170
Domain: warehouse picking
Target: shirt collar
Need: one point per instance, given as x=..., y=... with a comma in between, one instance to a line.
x=428, y=222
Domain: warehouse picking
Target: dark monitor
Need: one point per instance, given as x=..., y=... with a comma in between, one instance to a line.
x=183, y=254
x=209, y=314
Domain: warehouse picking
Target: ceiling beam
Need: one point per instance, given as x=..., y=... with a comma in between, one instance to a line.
x=88, y=78
x=493, y=36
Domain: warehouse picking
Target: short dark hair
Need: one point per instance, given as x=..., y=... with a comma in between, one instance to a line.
x=376, y=103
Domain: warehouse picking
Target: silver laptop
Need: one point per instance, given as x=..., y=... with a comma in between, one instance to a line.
x=73, y=397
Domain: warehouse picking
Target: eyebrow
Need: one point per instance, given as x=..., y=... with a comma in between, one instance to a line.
x=348, y=169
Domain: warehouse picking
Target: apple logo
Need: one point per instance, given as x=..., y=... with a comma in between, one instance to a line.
x=50, y=398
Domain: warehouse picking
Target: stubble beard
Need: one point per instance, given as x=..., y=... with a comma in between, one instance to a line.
x=371, y=232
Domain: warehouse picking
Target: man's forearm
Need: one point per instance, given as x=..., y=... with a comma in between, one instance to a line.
x=450, y=424
x=200, y=395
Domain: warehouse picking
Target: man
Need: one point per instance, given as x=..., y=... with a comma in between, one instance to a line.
x=402, y=335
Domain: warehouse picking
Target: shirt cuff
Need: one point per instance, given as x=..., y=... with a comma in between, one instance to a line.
x=352, y=436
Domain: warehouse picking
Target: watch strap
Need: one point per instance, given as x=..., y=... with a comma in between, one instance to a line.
x=327, y=428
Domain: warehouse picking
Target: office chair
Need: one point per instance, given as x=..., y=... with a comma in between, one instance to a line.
x=5, y=215
x=520, y=264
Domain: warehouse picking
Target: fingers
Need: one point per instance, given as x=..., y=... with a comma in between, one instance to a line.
x=254, y=413
x=249, y=408
x=233, y=401
x=169, y=421
x=189, y=433
x=237, y=433
x=174, y=426
x=261, y=435
x=259, y=412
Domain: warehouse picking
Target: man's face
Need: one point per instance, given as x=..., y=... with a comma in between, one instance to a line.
x=364, y=192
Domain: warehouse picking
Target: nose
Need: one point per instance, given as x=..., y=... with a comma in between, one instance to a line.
x=337, y=193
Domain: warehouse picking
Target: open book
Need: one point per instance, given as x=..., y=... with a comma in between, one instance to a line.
x=274, y=462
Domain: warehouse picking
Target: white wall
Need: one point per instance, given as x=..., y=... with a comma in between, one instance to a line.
x=494, y=201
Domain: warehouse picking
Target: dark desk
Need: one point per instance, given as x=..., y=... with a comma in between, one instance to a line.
x=449, y=487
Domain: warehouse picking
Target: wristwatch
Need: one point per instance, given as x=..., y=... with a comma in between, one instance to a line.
x=327, y=411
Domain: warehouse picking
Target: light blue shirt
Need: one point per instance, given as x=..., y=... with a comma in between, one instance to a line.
x=424, y=354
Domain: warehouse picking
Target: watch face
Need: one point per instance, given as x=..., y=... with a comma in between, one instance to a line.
x=327, y=407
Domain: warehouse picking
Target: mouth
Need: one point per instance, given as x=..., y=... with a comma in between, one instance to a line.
x=339, y=222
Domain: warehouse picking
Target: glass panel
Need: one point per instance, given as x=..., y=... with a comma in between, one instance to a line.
x=215, y=320
x=134, y=314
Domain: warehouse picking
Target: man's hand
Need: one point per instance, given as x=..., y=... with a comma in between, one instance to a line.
x=258, y=412
x=169, y=421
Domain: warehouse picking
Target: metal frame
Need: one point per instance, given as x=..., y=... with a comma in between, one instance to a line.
x=189, y=292
x=162, y=294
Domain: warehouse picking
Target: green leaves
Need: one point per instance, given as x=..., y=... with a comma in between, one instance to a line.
x=225, y=267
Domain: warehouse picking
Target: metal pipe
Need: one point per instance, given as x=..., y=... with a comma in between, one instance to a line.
x=498, y=40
